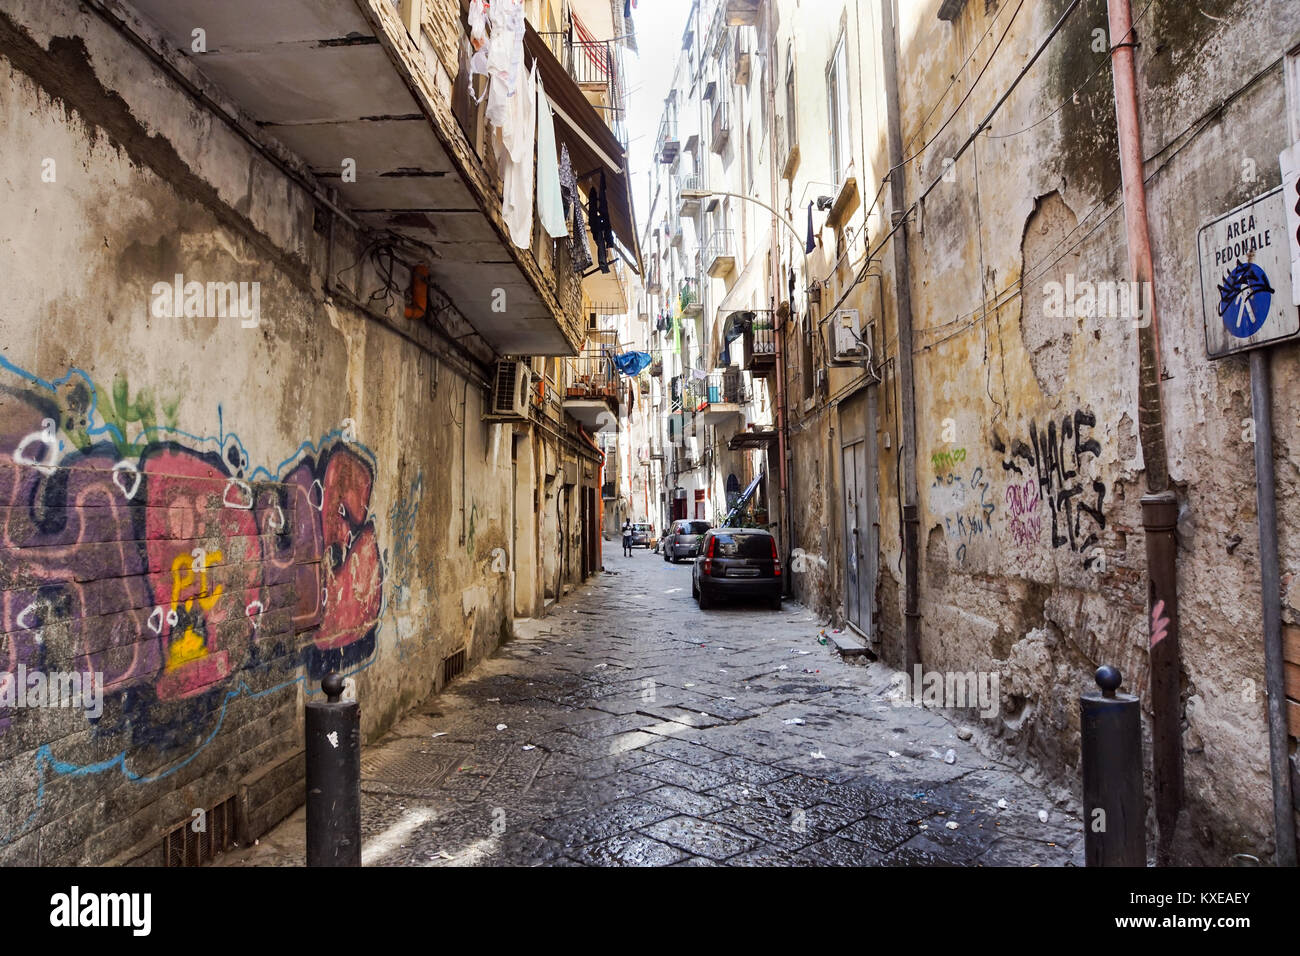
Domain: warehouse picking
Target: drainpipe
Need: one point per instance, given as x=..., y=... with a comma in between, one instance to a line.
x=1160, y=503
x=780, y=316
x=903, y=296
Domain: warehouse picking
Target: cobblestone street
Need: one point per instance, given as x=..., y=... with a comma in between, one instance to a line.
x=631, y=728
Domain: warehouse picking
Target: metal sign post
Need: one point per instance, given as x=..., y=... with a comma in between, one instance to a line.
x=1247, y=295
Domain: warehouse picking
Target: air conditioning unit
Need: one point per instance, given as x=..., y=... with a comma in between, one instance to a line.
x=511, y=392
x=846, y=327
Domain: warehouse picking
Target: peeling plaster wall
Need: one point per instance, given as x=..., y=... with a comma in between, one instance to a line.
x=214, y=515
x=1034, y=564
x=1030, y=473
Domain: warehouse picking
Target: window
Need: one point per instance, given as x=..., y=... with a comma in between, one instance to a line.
x=791, y=129
x=738, y=544
x=837, y=87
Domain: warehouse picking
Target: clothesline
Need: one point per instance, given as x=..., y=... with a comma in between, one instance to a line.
x=534, y=178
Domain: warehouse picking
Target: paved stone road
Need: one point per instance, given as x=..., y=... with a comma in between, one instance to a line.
x=639, y=730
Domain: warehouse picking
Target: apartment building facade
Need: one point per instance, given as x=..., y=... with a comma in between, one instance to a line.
x=282, y=390
x=987, y=428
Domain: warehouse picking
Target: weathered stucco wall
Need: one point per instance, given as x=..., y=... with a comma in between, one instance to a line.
x=1029, y=468
x=1034, y=565
x=211, y=515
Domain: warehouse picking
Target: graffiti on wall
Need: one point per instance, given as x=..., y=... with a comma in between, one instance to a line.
x=1023, y=519
x=965, y=503
x=165, y=562
x=1057, y=466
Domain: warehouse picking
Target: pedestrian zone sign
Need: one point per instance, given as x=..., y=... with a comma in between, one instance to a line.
x=1246, y=278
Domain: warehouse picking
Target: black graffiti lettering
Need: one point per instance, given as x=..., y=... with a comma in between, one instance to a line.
x=1058, y=456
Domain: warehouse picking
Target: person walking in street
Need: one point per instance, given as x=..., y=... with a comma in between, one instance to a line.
x=627, y=538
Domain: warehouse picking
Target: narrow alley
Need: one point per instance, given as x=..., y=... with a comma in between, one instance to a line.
x=345, y=342
x=630, y=728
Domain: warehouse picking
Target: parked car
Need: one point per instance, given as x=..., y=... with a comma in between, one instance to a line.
x=737, y=563
x=683, y=539
x=642, y=534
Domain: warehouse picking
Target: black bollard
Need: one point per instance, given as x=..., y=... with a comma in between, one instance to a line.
x=333, y=778
x=1114, y=813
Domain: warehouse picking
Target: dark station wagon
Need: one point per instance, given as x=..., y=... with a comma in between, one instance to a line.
x=737, y=563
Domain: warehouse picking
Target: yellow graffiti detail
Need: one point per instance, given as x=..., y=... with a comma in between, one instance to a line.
x=190, y=646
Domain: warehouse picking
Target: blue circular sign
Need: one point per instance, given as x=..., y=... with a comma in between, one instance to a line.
x=1244, y=299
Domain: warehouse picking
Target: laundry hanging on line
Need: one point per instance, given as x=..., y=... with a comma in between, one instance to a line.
x=632, y=363
x=515, y=158
x=550, y=199
x=572, y=198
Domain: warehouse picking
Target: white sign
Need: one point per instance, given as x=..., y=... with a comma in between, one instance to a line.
x=1290, y=160
x=1246, y=278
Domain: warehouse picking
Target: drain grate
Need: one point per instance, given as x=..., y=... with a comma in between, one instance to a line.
x=199, y=839
x=406, y=772
x=453, y=666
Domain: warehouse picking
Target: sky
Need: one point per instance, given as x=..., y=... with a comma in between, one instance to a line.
x=659, y=28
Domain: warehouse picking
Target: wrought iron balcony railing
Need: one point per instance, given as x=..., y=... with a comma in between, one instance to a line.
x=594, y=66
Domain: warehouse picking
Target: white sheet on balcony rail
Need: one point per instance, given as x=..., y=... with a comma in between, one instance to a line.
x=550, y=203
x=515, y=157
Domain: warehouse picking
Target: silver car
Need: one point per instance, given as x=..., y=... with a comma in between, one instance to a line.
x=683, y=539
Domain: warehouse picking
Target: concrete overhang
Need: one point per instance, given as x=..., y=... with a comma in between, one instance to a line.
x=719, y=413
x=333, y=80
x=590, y=413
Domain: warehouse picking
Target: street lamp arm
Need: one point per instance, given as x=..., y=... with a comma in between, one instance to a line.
x=709, y=192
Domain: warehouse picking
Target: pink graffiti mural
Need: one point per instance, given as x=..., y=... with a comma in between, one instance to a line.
x=169, y=568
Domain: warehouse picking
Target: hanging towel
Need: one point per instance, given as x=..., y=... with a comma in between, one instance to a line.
x=515, y=157
x=812, y=243
x=550, y=202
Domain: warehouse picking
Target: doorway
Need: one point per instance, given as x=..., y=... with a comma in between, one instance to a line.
x=861, y=526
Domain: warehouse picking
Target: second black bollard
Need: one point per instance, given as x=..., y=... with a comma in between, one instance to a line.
x=333, y=778
x=1111, y=744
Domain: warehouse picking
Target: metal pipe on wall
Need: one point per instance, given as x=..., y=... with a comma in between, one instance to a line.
x=1160, y=504
x=779, y=315
x=903, y=293
x=1271, y=587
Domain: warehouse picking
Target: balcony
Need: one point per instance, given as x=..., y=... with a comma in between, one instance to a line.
x=675, y=231
x=723, y=393
x=329, y=79
x=721, y=126
x=718, y=33
x=668, y=147
x=758, y=348
x=592, y=395
x=741, y=60
x=720, y=254
x=601, y=323
x=689, y=298
x=742, y=12
x=688, y=200
x=593, y=65
x=787, y=154
x=754, y=438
